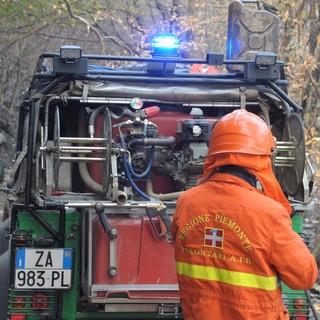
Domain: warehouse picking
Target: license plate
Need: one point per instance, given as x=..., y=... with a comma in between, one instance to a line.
x=43, y=268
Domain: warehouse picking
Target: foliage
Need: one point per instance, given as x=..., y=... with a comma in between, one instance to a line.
x=301, y=48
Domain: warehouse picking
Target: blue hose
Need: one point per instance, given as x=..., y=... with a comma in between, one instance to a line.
x=128, y=173
x=147, y=171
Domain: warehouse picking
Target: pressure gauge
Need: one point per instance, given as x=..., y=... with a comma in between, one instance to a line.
x=136, y=103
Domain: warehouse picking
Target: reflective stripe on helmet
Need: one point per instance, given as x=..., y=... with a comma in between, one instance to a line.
x=235, y=278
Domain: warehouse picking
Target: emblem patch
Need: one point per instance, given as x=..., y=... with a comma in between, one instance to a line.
x=213, y=237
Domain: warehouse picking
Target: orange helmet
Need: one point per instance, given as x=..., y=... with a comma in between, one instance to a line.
x=241, y=132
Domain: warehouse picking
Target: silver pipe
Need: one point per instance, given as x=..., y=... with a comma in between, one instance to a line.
x=81, y=140
x=121, y=197
x=285, y=148
x=81, y=159
x=284, y=143
x=283, y=166
x=38, y=159
x=75, y=149
x=104, y=204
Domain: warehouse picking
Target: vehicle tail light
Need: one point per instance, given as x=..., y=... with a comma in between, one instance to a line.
x=299, y=316
x=21, y=238
x=20, y=316
x=39, y=301
x=19, y=302
x=299, y=303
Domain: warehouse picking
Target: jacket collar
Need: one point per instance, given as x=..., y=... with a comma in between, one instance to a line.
x=240, y=173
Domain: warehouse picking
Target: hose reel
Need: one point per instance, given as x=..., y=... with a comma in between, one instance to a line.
x=290, y=157
x=81, y=149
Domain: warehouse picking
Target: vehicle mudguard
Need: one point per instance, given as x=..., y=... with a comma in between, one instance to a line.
x=4, y=240
x=4, y=283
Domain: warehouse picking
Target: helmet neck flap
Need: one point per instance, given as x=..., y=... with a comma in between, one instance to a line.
x=257, y=165
x=243, y=139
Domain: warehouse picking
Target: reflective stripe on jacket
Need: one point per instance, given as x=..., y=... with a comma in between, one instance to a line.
x=235, y=278
x=232, y=245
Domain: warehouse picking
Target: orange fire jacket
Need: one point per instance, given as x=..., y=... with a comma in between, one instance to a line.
x=233, y=245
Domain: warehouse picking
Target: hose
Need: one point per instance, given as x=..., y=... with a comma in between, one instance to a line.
x=148, y=169
x=140, y=192
x=94, y=114
x=107, y=132
x=148, y=142
x=167, y=141
x=83, y=168
x=92, y=119
x=160, y=196
x=126, y=169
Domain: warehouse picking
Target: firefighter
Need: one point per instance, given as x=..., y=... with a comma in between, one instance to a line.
x=232, y=233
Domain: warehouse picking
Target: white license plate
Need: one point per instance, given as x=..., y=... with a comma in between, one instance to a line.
x=43, y=268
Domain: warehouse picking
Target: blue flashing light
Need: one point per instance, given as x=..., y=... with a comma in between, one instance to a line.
x=165, y=45
x=165, y=41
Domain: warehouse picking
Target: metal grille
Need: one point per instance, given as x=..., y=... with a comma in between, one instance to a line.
x=35, y=304
x=296, y=300
x=297, y=304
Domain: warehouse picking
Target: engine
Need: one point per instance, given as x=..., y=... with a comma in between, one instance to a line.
x=163, y=150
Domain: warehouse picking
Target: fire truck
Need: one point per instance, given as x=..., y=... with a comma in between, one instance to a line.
x=102, y=155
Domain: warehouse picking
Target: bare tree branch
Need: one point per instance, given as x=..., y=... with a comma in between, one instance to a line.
x=18, y=39
x=88, y=24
